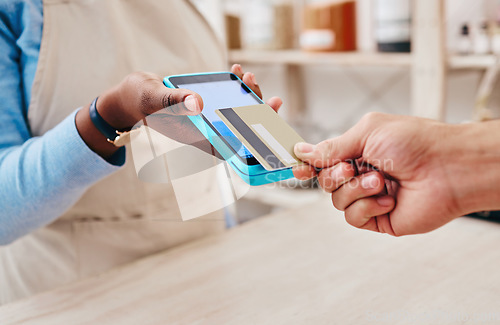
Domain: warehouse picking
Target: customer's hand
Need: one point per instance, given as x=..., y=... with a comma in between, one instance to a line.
x=142, y=94
x=425, y=173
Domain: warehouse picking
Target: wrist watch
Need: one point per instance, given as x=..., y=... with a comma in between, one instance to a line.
x=114, y=136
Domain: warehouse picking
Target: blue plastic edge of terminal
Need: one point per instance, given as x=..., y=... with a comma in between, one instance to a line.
x=253, y=175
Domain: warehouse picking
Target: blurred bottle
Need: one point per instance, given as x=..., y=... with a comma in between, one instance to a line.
x=495, y=34
x=267, y=24
x=257, y=20
x=233, y=31
x=365, y=26
x=232, y=16
x=329, y=27
x=393, y=25
x=482, y=39
x=495, y=40
x=283, y=26
x=464, y=46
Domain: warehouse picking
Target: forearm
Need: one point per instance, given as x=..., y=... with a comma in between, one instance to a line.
x=92, y=137
x=44, y=177
x=120, y=107
x=474, y=168
x=108, y=106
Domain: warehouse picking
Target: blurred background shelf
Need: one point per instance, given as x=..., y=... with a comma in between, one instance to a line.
x=436, y=35
x=300, y=57
x=472, y=61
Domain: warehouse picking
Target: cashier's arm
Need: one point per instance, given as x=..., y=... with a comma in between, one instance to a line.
x=421, y=173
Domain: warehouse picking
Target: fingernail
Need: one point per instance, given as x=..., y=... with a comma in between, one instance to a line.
x=384, y=201
x=303, y=147
x=369, y=182
x=252, y=78
x=191, y=103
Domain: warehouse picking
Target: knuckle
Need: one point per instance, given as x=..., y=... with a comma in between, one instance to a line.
x=372, y=118
x=325, y=150
x=337, y=176
x=351, y=218
x=326, y=183
x=371, y=181
x=363, y=208
x=136, y=78
x=328, y=146
x=337, y=202
x=129, y=81
x=143, y=75
x=348, y=171
x=356, y=215
x=166, y=100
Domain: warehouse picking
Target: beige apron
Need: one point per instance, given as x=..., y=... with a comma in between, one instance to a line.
x=87, y=47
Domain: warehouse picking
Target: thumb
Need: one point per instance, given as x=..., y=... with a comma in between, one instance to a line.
x=348, y=146
x=155, y=96
x=181, y=102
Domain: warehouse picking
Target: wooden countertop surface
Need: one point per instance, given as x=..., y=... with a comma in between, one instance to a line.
x=305, y=266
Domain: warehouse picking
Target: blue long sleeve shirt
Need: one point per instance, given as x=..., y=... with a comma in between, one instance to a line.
x=40, y=177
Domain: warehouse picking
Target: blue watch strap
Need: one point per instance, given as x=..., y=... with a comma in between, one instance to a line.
x=107, y=130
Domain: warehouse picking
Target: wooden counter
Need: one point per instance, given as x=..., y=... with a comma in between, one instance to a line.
x=305, y=266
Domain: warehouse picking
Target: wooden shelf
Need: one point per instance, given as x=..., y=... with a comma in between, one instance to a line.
x=302, y=58
x=471, y=61
x=299, y=57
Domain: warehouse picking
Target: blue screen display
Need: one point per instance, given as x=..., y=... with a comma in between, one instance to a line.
x=223, y=94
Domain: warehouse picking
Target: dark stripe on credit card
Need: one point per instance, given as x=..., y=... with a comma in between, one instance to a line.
x=252, y=138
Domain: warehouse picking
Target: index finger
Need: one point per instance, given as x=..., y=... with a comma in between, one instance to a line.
x=304, y=172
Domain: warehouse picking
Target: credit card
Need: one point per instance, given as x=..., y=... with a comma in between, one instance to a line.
x=265, y=134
